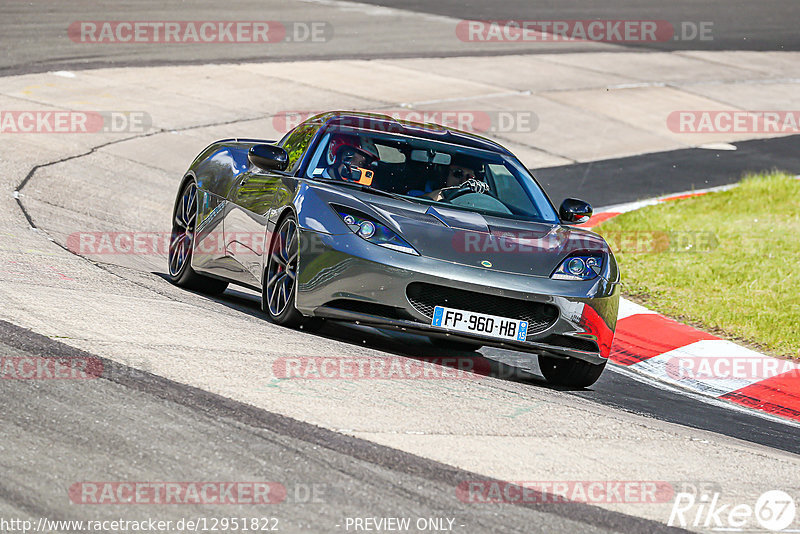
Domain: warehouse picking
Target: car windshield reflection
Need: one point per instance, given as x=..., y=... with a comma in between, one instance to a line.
x=431, y=172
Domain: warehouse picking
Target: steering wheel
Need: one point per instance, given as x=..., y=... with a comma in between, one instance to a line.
x=470, y=186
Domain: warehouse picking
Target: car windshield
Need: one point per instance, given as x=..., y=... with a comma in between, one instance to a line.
x=430, y=172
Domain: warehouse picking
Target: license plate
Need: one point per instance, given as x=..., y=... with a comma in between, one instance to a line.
x=480, y=323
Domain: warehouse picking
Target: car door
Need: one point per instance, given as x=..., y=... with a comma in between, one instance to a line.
x=245, y=223
x=252, y=200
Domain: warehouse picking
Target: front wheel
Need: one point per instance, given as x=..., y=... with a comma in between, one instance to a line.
x=570, y=372
x=280, y=276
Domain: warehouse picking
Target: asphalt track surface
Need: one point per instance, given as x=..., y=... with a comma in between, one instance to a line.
x=327, y=476
x=616, y=181
x=737, y=24
x=32, y=32
x=127, y=413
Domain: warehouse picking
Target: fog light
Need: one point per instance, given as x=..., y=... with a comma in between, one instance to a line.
x=366, y=230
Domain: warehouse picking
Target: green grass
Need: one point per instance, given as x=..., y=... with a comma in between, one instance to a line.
x=727, y=262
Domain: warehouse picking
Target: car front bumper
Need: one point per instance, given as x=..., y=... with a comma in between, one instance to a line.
x=344, y=277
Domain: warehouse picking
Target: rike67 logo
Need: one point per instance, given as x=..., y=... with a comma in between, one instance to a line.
x=774, y=510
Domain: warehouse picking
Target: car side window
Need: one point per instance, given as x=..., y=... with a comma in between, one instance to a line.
x=296, y=143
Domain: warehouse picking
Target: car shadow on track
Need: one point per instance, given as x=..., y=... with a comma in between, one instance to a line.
x=501, y=364
x=506, y=365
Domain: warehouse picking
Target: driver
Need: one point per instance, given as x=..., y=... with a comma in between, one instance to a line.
x=347, y=156
x=459, y=177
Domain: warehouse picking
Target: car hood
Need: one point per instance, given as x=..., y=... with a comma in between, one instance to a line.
x=470, y=238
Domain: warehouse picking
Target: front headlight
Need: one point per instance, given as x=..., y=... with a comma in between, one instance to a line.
x=373, y=231
x=584, y=267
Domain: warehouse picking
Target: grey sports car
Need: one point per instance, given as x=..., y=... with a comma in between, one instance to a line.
x=400, y=225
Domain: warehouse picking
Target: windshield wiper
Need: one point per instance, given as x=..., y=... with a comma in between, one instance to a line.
x=365, y=188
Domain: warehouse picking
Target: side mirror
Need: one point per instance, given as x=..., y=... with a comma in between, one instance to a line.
x=574, y=211
x=268, y=157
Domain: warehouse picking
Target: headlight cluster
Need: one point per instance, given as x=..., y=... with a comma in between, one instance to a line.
x=579, y=268
x=373, y=231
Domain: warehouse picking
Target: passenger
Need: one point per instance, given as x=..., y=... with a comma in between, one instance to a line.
x=459, y=177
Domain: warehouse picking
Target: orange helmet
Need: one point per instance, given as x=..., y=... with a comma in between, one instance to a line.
x=338, y=141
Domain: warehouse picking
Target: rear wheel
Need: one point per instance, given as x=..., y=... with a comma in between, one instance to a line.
x=570, y=372
x=184, y=219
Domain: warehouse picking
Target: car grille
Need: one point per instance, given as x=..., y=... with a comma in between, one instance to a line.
x=425, y=297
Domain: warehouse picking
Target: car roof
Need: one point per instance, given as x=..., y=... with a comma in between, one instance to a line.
x=385, y=123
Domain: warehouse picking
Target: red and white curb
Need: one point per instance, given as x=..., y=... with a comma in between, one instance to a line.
x=671, y=352
x=664, y=349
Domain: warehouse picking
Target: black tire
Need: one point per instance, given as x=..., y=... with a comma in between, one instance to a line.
x=181, y=245
x=452, y=344
x=280, y=276
x=570, y=372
